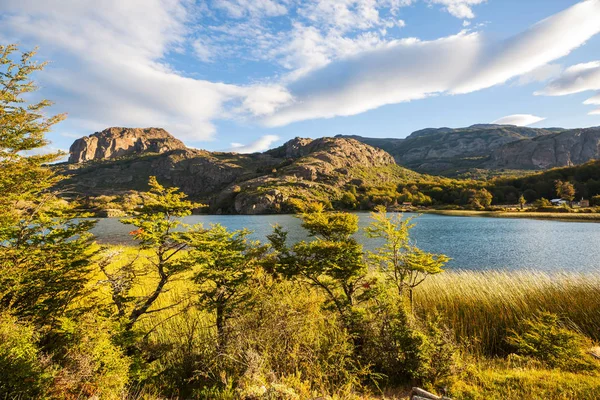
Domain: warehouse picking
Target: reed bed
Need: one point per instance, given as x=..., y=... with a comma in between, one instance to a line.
x=484, y=306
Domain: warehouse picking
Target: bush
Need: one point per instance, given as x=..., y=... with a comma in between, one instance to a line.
x=406, y=349
x=545, y=339
x=92, y=364
x=24, y=371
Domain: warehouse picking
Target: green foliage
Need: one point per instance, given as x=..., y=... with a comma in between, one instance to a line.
x=156, y=222
x=565, y=190
x=92, y=365
x=224, y=264
x=404, y=348
x=45, y=253
x=24, y=371
x=542, y=203
x=404, y=265
x=332, y=261
x=22, y=128
x=546, y=339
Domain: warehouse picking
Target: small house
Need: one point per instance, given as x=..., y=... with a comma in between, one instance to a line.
x=558, y=202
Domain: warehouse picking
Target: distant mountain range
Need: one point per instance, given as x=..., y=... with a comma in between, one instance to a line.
x=451, y=152
x=120, y=160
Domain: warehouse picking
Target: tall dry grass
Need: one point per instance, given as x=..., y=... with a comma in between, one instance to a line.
x=485, y=306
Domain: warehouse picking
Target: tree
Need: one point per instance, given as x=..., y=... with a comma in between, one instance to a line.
x=404, y=265
x=482, y=198
x=160, y=246
x=44, y=252
x=522, y=201
x=332, y=262
x=224, y=263
x=565, y=190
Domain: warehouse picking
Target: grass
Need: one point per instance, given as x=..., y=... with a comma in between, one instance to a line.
x=593, y=217
x=497, y=381
x=484, y=306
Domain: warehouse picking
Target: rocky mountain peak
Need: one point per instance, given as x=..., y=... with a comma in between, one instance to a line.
x=118, y=142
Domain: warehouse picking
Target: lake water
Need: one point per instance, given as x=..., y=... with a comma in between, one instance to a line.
x=472, y=243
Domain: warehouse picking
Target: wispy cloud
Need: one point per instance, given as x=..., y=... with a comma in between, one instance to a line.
x=113, y=70
x=411, y=69
x=459, y=8
x=576, y=79
x=519, y=120
x=262, y=144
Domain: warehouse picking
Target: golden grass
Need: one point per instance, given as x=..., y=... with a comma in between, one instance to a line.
x=485, y=305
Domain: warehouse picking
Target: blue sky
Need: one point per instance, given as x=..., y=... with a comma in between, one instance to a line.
x=246, y=75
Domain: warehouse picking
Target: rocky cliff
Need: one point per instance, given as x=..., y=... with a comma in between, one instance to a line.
x=113, y=143
x=568, y=148
x=447, y=151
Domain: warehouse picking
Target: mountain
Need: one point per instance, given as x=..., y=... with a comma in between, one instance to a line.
x=567, y=148
x=450, y=152
x=118, y=160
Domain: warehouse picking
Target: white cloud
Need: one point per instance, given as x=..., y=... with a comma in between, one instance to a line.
x=593, y=100
x=262, y=144
x=203, y=51
x=112, y=71
x=595, y=112
x=576, y=79
x=540, y=74
x=459, y=8
x=518, y=120
x=410, y=69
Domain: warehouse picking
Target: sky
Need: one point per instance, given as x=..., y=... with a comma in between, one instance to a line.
x=248, y=75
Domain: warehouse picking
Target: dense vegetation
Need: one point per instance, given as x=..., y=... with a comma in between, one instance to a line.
x=201, y=312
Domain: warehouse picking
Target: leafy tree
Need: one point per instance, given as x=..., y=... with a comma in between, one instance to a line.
x=480, y=198
x=224, y=264
x=332, y=262
x=160, y=246
x=522, y=201
x=405, y=266
x=565, y=190
x=44, y=252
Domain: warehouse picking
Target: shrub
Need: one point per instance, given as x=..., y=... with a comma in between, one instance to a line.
x=546, y=339
x=542, y=203
x=92, y=364
x=24, y=372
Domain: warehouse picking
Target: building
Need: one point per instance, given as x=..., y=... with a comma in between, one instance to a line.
x=558, y=202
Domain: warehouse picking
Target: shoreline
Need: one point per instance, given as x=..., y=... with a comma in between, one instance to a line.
x=567, y=217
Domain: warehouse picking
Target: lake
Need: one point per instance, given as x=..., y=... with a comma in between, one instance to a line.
x=474, y=243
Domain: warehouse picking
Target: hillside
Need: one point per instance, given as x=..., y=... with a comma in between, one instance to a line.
x=450, y=152
x=302, y=169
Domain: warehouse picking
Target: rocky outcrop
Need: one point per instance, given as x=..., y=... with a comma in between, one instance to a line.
x=114, y=143
x=314, y=168
x=562, y=149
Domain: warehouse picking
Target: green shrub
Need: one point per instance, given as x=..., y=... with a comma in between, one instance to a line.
x=92, y=364
x=24, y=372
x=546, y=339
